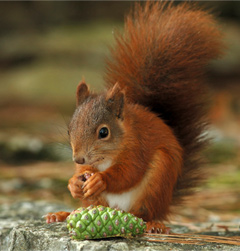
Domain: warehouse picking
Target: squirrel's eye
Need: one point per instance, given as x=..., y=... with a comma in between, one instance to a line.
x=103, y=133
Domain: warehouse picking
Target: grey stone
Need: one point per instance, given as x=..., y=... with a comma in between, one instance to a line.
x=119, y=246
x=23, y=229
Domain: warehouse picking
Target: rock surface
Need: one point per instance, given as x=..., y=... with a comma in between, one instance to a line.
x=22, y=228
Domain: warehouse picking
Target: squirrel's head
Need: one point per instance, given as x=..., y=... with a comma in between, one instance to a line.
x=96, y=129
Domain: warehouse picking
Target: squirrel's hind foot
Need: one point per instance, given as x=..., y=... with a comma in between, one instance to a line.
x=157, y=228
x=56, y=217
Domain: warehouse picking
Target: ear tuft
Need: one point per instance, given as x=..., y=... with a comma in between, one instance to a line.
x=82, y=92
x=115, y=100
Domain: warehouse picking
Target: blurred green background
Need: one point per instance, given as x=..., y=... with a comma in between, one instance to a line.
x=45, y=50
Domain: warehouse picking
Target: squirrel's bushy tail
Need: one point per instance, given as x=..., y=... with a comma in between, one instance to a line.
x=160, y=60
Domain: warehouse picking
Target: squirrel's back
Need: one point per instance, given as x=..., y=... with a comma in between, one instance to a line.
x=160, y=61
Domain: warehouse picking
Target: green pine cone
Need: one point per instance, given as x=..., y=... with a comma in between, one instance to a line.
x=96, y=222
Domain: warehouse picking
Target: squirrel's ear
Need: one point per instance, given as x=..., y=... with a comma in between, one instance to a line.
x=115, y=100
x=82, y=92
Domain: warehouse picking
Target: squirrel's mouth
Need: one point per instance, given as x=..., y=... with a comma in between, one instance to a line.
x=101, y=163
x=97, y=161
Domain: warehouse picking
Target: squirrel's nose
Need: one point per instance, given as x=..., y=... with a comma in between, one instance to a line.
x=79, y=160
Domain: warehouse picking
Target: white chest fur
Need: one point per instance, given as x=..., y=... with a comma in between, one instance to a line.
x=105, y=165
x=120, y=201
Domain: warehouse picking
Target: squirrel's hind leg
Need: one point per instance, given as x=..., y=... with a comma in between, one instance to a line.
x=157, y=228
x=56, y=217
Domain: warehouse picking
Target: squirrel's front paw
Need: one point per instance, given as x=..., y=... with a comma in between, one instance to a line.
x=94, y=186
x=76, y=183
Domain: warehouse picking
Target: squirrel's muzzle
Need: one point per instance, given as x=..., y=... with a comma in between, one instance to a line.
x=79, y=159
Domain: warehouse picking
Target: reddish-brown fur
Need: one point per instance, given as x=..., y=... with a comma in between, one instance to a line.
x=160, y=61
x=155, y=114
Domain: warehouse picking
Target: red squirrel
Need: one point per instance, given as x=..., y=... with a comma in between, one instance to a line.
x=137, y=145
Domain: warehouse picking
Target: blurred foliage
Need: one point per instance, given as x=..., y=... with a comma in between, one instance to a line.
x=38, y=16
x=27, y=150
x=59, y=58
x=228, y=180
x=222, y=152
x=22, y=16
